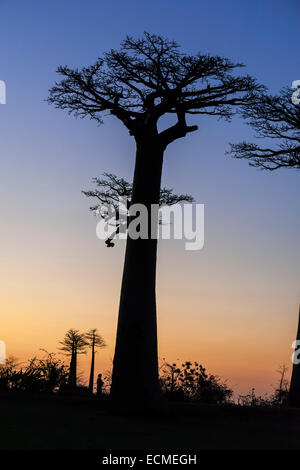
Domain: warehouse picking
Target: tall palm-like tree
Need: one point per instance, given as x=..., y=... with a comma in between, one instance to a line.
x=74, y=343
x=94, y=341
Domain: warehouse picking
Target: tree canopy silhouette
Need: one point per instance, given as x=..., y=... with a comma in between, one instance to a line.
x=276, y=118
x=148, y=78
x=113, y=191
x=74, y=343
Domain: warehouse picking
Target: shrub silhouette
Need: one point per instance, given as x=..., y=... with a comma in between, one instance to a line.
x=39, y=375
x=190, y=381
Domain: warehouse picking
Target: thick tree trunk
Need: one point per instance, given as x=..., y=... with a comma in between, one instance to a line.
x=135, y=369
x=91, y=381
x=294, y=392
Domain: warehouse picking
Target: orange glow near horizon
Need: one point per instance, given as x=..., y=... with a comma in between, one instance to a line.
x=223, y=332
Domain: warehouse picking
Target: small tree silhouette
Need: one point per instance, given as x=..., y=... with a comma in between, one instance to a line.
x=94, y=341
x=114, y=191
x=281, y=392
x=74, y=343
x=190, y=381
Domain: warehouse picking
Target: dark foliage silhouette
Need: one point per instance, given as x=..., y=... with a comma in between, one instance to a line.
x=94, y=341
x=252, y=399
x=280, y=396
x=277, y=399
x=112, y=191
x=146, y=79
x=186, y=382
x=7, y=371
x=190, y=381
x=74, y=343
x=40, y=375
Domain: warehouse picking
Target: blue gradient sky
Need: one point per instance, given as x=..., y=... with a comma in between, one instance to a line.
x=233, y=305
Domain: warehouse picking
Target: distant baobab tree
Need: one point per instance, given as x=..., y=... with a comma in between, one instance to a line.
x=74, y=343
x=94, y=341
x=276, y=118
x=111, y=190
x=146, y=79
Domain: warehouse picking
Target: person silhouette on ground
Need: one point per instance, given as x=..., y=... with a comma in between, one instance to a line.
x=100, y=384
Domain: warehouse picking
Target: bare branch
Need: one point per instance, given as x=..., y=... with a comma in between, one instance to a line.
x=275, y=118
x=149, y=77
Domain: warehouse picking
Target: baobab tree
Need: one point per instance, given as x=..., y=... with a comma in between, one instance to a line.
x=112, y=191
x=146, y=79
x=276, y=118
x=94, y=341
x=74, y=343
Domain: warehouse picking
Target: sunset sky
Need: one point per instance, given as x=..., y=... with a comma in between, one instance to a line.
x=232, y=306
